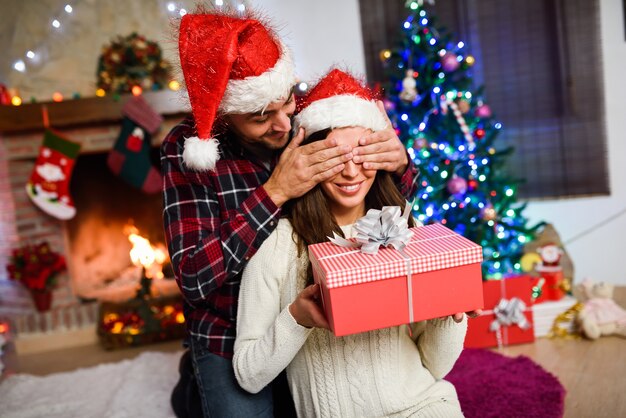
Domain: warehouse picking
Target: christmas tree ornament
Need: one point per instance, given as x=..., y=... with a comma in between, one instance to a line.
x=489, y=213
x=472, y=184
x=479, y=133
x=420, y=143
x=464, y=106
x=460, y=120
x=48, y=186
x=449, y=62
x=130, y=156
x=483, y=111
x=409, y=90
x=457, y=185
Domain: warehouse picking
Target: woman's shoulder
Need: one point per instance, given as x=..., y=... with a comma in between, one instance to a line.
x=280, y=239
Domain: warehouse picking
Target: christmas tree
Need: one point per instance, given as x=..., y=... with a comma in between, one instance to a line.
x=450, y=133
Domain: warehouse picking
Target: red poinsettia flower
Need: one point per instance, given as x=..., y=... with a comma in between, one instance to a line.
x=35, y=266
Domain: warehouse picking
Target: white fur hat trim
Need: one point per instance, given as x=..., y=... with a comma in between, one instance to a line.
x=340, y=112
x=253, y=94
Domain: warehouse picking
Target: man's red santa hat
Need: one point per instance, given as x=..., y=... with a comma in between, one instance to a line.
x=231, y=65
x=338, y=100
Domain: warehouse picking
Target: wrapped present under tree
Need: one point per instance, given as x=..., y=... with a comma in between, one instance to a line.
x=507, y=318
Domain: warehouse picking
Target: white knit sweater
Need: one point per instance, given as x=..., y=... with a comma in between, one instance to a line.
x=373, y=374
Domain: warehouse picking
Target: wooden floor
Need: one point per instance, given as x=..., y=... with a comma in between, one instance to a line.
x=593, y=372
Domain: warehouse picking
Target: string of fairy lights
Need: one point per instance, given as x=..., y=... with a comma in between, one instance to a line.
x=35, y=55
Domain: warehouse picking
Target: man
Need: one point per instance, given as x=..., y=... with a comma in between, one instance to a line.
x=227, y=174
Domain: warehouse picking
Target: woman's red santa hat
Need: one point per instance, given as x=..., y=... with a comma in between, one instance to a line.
x=231, y=65
x=338, y=100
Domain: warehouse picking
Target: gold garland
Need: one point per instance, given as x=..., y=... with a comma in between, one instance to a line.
x=558, y=330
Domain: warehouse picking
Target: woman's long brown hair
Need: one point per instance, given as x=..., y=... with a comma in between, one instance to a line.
x=312, y=219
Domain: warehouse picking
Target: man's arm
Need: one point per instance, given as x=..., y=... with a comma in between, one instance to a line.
x=205, y=249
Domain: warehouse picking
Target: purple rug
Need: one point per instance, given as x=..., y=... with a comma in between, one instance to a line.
x=492, y=385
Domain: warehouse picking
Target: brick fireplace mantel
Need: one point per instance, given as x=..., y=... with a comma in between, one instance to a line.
x=92, y=122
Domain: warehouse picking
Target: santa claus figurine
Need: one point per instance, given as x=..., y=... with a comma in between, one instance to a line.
x=550, y=257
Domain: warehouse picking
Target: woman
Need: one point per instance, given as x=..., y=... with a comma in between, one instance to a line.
x=388, y=372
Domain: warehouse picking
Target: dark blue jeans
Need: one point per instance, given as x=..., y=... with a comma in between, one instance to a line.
x=221, y=395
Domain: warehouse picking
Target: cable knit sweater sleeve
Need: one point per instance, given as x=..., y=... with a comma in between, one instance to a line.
x=440, y=344
x=268, y=337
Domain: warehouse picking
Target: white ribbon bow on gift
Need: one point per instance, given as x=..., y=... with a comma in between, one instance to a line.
x=386, y=227
x=509, y=312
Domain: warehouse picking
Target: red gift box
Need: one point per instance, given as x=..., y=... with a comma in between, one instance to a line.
x=550, y=281
x=437, y=274
x=487, y=330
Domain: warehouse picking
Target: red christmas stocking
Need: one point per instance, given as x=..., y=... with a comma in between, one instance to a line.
x=130, y=156
x=49, y=184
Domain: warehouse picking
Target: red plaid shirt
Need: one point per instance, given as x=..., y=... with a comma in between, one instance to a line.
x=214, y=222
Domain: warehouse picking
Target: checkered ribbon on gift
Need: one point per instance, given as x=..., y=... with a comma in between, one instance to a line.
x=432, y=247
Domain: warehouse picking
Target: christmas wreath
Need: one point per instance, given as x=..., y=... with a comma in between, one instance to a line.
x=132, y=61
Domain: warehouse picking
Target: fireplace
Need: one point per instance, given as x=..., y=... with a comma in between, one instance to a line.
x=98, y=244
x=93, y=242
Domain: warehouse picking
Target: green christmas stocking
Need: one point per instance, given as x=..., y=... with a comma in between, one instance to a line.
x=49, y=184
x=130, y=156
